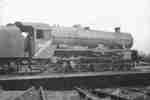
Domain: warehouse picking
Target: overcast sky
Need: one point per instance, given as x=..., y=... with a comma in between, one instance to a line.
x=131, y=15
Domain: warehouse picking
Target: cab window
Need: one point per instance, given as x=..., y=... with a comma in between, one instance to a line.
x=39, y=34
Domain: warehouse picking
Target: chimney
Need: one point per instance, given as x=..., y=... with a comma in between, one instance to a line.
x=117, y=29
x=77, y=26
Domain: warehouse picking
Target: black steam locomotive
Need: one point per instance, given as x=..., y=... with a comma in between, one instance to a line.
x=80, y=48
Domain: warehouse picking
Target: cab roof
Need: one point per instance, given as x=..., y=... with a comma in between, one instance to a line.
x=42, y=26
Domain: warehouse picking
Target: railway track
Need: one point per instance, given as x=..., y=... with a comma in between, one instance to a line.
x=115, y=94
x=79, y=93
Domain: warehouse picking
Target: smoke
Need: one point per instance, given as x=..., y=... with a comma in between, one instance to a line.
x=131, y=15
x=2, y=5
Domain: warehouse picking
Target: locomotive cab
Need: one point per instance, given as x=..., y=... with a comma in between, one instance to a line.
x=29, y=44
x=39, y=39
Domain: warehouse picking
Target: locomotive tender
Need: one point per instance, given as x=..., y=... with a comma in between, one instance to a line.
x=21, y=42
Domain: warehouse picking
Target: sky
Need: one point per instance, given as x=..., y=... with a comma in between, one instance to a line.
x=132, y=16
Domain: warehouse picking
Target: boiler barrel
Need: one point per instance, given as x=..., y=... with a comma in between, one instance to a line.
x=92, y=38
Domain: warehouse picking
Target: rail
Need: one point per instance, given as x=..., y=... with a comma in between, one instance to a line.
x=32, y=94
x=97, y=95
x=86, y=95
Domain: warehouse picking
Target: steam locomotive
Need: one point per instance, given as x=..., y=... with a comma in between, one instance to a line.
x=80, y=47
